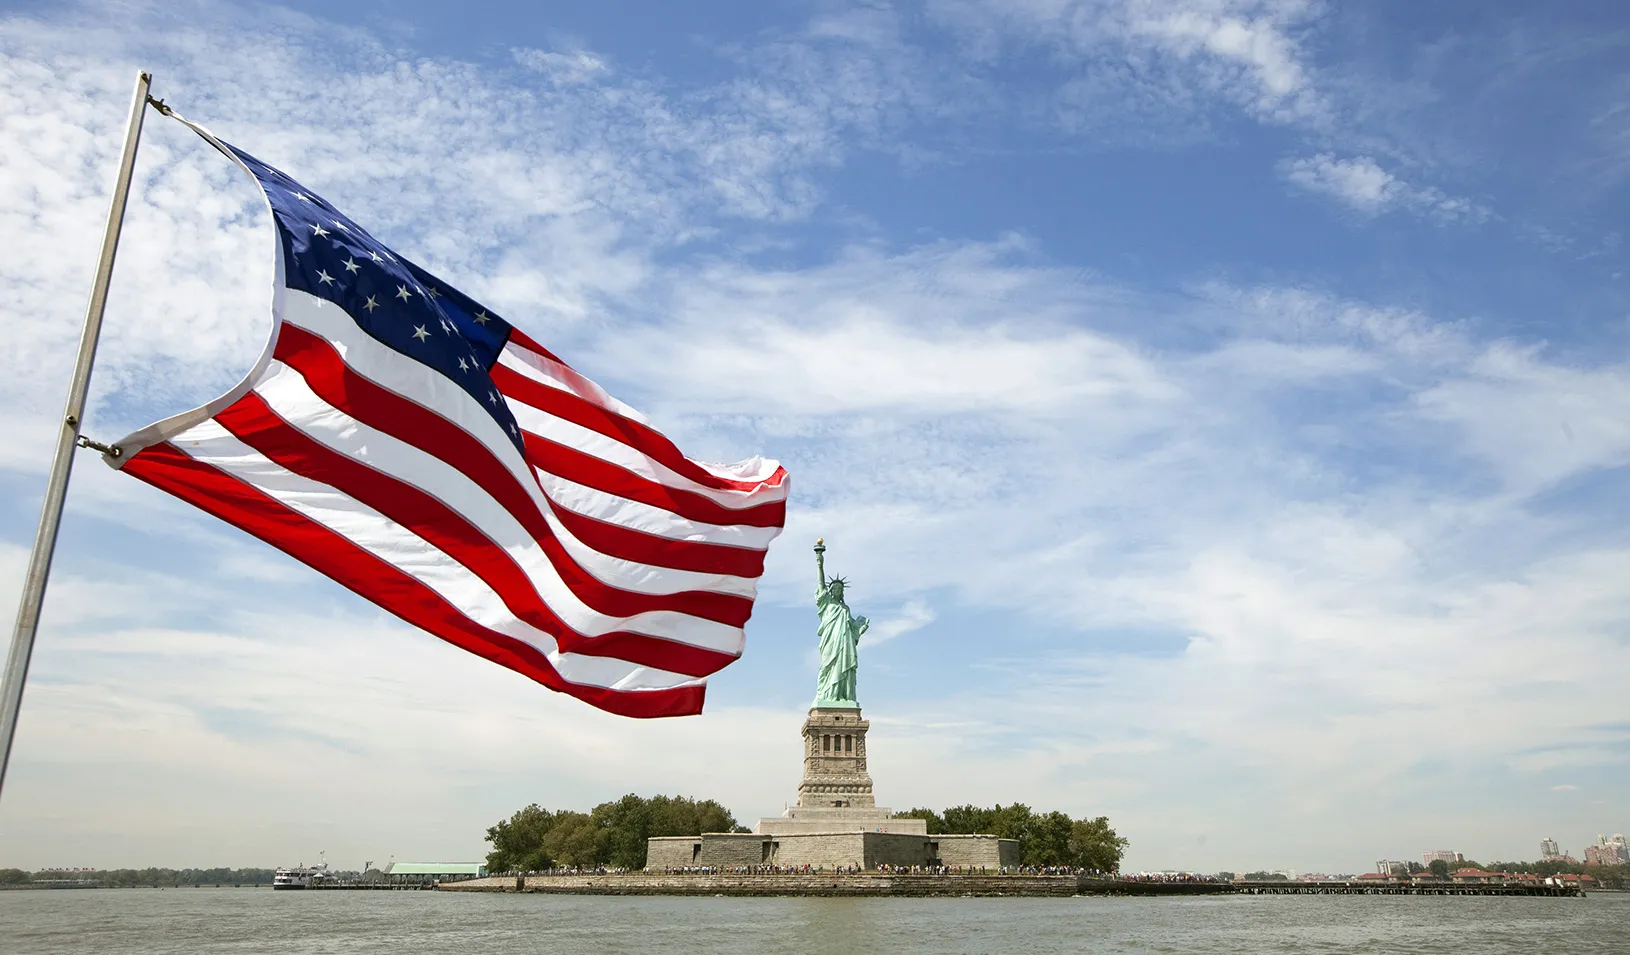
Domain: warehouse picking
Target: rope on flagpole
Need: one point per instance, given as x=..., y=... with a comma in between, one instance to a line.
x=68, y=438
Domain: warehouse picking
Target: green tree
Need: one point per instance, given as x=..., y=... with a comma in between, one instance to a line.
x=936, y=824
x=613, y=833
x=13, y=876
x=517, y=842
x=1013, y=822
x=969, y=819
x=1094, y=845
x=1439, y=868
x=574, y=840
x=624, y=826
x=1048, y=840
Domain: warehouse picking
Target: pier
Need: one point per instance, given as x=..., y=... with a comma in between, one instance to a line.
x=1404, y=888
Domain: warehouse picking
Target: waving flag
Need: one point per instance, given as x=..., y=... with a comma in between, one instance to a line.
x=408, y=442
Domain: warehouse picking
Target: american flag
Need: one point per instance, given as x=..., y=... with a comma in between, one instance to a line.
x=406, y=441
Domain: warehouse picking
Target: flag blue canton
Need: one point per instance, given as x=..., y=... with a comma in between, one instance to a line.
x=399, y=304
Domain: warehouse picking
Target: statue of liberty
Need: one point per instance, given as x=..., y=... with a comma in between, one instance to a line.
x=840, y=633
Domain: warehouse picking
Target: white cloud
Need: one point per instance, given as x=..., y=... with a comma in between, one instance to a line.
x=1535, y=423
x=1161, y=53
x=851, y=337
x=578, y=66
x=1361, y=184
x=913, y=615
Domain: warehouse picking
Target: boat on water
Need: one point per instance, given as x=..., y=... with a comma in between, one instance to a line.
x=302, y=876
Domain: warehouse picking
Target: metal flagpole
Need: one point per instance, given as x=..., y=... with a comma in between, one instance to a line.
x=56, y=488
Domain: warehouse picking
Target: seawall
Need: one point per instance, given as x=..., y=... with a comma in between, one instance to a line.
x=784, y=883
x=877, y=884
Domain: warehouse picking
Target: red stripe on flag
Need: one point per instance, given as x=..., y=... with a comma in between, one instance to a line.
x=341, y=386
x=521, y=339
x=642, y=438
x=210, y=489
x=256, y=425
x=703, y=557
x=600, y=474
x=338, y=384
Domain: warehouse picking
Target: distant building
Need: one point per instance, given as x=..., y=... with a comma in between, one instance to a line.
x=1389, y=867
x=1607, y=851
x=424, y=872
x=1548, y=849
x=1446, y=855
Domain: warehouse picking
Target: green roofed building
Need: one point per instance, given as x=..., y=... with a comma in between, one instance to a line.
x=419, y=872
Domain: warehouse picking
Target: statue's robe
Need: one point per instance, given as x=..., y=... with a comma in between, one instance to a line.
x=840, y=649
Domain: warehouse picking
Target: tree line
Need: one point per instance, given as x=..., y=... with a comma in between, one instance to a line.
x=1608, y=876
x=611, y=834
x=133, y=878
x=1045, y=838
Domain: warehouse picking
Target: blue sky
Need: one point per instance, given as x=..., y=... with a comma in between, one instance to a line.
x=1218, y=404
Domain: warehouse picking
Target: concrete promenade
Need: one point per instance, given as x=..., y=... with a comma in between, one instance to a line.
x=873, y=884
x=779, y=883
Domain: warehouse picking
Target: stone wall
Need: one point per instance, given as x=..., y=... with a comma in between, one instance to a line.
x=892, y=848
x=828, y=849
x=732, y=848
x=977, y=850
x=672, y=852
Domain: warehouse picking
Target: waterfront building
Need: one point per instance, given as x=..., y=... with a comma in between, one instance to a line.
x=419, y=873
x=1447, y=855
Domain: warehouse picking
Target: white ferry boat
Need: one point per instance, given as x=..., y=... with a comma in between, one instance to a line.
x=302, y=876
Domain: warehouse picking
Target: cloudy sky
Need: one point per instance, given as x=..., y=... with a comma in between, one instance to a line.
x=1220, y=406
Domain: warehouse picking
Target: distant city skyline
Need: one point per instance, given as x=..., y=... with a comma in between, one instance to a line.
x=1608, y=851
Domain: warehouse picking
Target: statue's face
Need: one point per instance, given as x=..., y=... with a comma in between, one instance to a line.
x=837, y=589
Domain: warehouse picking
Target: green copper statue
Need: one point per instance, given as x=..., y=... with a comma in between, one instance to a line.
x=840, y=639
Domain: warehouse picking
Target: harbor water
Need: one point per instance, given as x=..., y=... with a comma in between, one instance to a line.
x=205, y=921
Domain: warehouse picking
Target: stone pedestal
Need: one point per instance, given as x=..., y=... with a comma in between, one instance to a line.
x=835, y=774
x=836, y=792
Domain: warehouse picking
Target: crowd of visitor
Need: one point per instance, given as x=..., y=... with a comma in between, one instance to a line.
x=889, y=870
